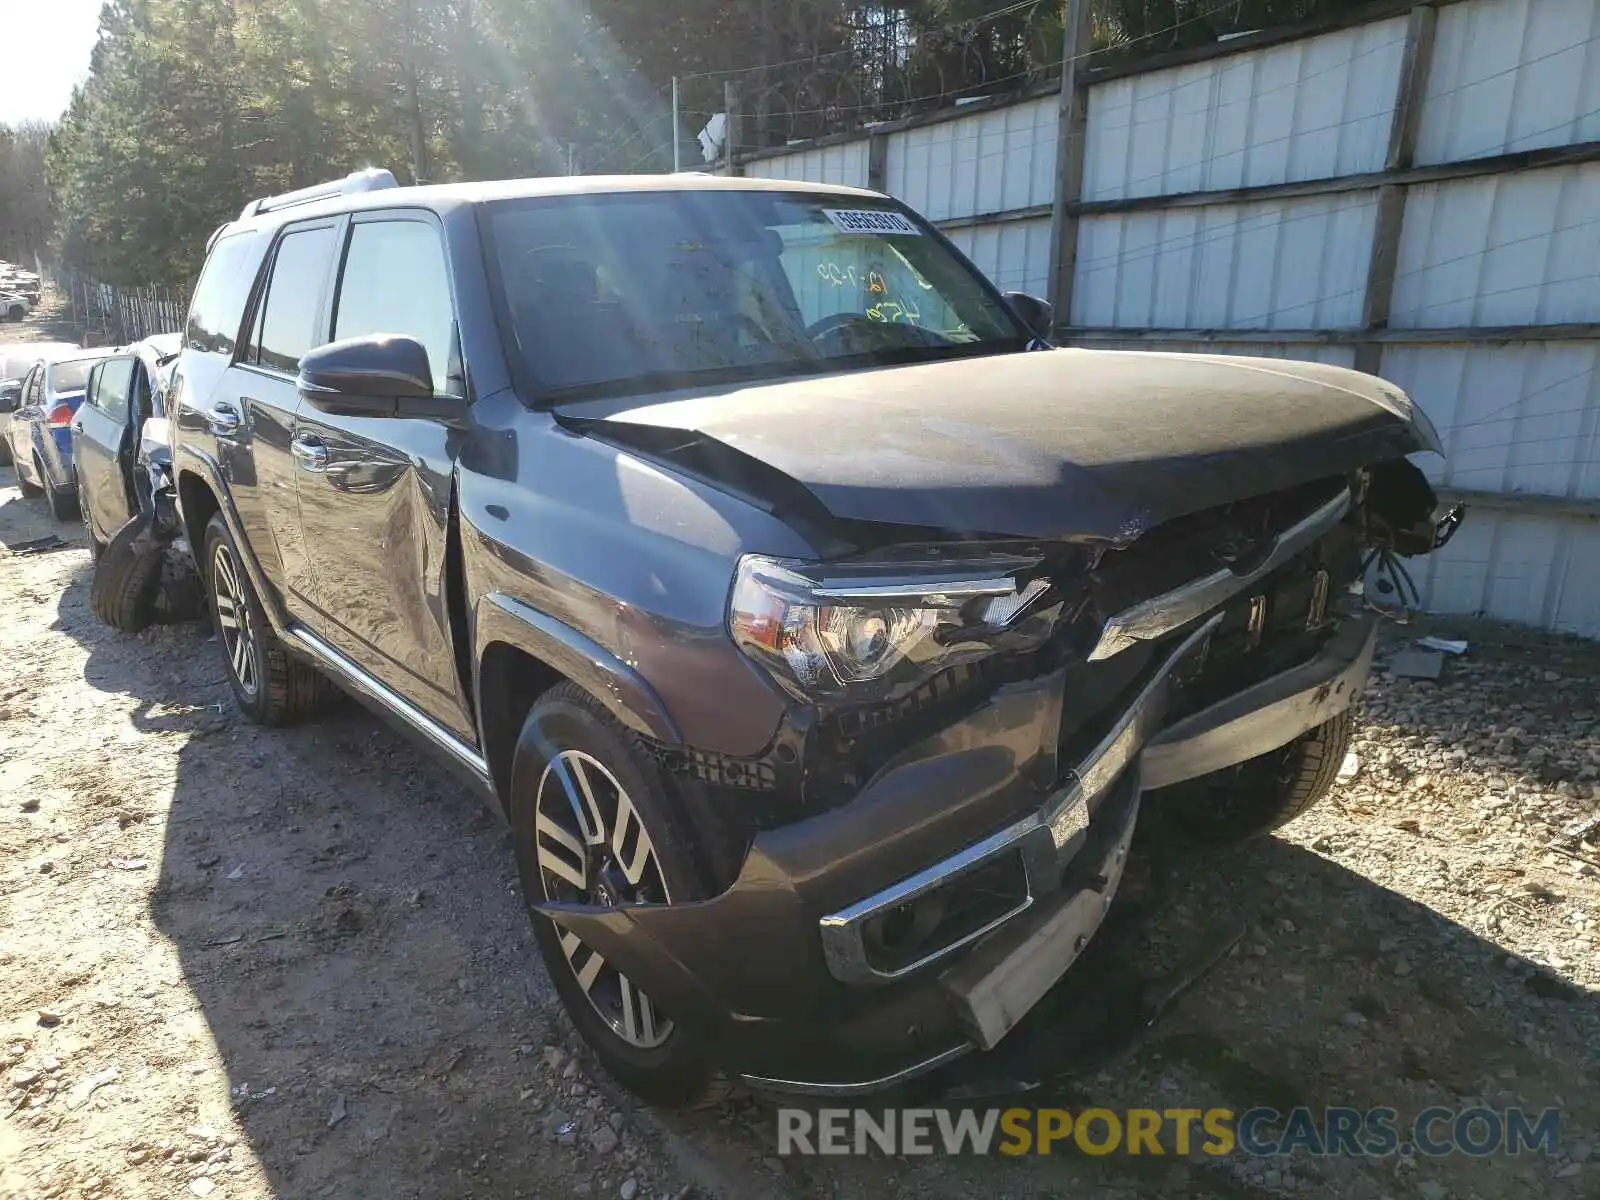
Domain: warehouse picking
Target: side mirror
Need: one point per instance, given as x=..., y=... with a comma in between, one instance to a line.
x=10, y=395
x=375, y=376
x=1038, y=315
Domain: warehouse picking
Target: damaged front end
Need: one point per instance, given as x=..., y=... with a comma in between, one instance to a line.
x=939, y=826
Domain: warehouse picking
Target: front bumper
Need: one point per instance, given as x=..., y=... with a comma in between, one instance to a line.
x=777, y=973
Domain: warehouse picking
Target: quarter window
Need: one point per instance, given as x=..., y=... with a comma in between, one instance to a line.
x=395, y=281
x=289, y=317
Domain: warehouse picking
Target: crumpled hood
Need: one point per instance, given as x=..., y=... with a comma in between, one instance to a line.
x=1090, y=444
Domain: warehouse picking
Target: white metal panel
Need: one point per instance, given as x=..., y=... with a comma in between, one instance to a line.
x=1501, y=250
x=1309, y=109
x=1536, y=570
x=1518, y=418
x=845, y=163
x=1014, y=255
x=1511, y=75
x=1338, y=356
x=1276, y=264
x=1001, y=159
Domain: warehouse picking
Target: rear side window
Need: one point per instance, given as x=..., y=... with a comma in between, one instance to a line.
x=108, y=391
x=294, y=294
x=219, y=297
x=395, y=281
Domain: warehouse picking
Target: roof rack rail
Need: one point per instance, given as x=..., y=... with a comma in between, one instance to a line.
x=373, y=179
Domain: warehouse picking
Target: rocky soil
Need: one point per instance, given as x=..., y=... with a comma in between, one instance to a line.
x=238, y=962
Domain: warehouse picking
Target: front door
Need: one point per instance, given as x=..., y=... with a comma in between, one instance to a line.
x=253, y=409
x=375, y=491
x=101, y=450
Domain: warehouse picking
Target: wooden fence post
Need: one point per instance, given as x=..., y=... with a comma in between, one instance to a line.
x=1415, y=62
x=878, y=162
x=731, y=136
x=1072, y=121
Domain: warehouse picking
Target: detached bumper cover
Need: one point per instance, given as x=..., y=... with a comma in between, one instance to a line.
x=773, y=974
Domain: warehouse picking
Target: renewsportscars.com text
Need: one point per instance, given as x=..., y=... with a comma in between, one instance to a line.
x=1256, y=1132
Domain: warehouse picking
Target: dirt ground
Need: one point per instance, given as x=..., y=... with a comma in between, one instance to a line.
x=241, y=962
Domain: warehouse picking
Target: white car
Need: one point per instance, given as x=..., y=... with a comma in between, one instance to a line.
x=14, y=306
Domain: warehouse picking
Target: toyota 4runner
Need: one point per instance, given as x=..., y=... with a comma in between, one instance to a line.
x=816, y=626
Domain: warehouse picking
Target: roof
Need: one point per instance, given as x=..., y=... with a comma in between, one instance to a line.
x=453, y=195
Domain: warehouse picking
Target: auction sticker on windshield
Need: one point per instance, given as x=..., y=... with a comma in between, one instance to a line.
x=872, y=220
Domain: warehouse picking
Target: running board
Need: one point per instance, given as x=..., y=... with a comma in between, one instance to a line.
x=347, y=674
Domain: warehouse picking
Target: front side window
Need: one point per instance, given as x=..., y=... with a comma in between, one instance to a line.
x=294, y=294
x=395, y=281
x=631, y=291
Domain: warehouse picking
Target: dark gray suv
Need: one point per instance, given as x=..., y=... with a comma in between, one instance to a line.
x=815, y=625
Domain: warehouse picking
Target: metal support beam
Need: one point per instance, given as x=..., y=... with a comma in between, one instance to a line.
x=1072, y=121
x=1415, y=63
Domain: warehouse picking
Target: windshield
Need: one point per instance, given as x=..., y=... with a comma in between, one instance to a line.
x=649, y=289
x=70, y=376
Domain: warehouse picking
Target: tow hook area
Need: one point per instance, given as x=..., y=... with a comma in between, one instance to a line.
x=1103, y=1009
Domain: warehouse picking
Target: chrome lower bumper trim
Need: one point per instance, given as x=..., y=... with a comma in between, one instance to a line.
x=1045, y=838
x=863, y=1087
x=1152, y=619
x=1266, y=716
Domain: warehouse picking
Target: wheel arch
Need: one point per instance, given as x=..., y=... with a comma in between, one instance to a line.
x=521, y=653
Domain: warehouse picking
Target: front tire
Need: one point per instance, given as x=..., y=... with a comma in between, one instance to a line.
x=1261, y=794
x=126, y=576
x=270, y=686
x=593, y=822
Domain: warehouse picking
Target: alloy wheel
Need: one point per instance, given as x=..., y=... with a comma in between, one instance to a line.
x=594, y=849
x=233, y=619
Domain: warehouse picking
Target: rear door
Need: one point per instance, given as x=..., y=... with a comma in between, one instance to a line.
x=102, y=445
x=24, y=419
x=375, y=491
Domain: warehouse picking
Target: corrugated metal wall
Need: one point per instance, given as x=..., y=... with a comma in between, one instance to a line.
x=1519, y=409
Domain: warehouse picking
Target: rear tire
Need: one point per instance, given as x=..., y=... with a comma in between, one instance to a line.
x=1261, y=794
x=567, y=726
x=270, y=686
x=26, y=486
x=126, y=578
x=63, y=502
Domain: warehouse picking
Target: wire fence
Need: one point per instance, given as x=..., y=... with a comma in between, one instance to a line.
x=114, y=316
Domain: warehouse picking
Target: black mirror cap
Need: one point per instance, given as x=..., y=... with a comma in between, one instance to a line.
x=370, y=374
x=1037, y=314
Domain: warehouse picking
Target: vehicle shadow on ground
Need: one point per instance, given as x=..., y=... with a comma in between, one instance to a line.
x=347, y=920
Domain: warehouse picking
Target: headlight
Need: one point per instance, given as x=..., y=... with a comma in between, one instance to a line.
x=859, y=631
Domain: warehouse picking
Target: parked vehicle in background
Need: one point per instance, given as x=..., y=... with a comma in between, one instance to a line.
x=40, y=436
x=16, y=360
x=14, y=306
x=124, y=391
x=816, y=627
x=143, y=568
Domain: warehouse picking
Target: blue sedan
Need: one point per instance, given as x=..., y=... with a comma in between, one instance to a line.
x=40, y=434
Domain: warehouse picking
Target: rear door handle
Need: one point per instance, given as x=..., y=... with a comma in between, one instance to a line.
x=223, y=419
x=311, y=453
x=77, y=427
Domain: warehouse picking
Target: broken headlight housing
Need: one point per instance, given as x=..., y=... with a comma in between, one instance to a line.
x=860, y=631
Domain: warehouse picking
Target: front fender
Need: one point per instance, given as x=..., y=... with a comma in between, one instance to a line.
x=498, y=617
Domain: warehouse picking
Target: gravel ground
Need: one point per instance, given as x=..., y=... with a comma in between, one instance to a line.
x=258, y=963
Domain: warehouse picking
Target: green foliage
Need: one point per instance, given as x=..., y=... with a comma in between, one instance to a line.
x=25, y=216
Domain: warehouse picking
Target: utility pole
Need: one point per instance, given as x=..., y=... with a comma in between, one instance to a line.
x=731, y=141
x=677, y=129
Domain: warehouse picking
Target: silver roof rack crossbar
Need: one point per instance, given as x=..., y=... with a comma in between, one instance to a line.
x=373, y=179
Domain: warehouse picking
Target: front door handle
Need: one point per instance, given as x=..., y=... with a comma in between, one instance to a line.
x=223, y=419
x=311, y=453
